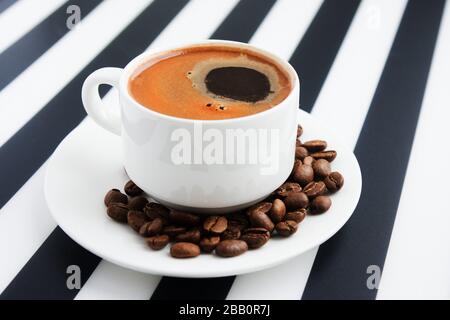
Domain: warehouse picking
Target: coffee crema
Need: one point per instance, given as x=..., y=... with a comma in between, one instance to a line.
x=210, y=83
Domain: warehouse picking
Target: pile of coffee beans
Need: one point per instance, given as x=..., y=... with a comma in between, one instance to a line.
x=306, y=192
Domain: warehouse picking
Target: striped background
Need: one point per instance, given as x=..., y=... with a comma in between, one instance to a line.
x=375, y=70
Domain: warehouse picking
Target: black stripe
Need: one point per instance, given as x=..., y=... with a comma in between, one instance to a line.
x=5, y=4
x=330, y=25
x=239, y=25
x=383, y=149
x=32, y=45
x=170, y=288
x=41, y=135
x=315, y=55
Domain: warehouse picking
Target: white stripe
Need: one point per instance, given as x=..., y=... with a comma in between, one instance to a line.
x=190, y=25
x=21, y=17
x=107, y=282
x=418, y=261
x=347, y=92
x=343, y=103
x=25, y=223
x=285, y=25
x=57, y=67
x=283, y=282
x=111, y=282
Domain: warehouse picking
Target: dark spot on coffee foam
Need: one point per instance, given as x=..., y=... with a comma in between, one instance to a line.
x=238, y=83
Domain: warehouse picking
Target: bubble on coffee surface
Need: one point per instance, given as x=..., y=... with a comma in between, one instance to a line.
x=238, y=79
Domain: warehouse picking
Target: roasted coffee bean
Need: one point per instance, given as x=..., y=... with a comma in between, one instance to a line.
x=287, y=188
x=320, y=205
x=132, y=189
x=184, y=250
x=334, y=181
x=315, y=145
x=315, y=188
x=155, y=210
x=297, y=163
x=137, y=203
x=136, y=219
x=321, y=168
x=301, y=153
x=118, y=212
x=238, y=224
x=215, y=224
x=192, y=235
x=329, y=155
x=304, y=174
x=184, y=218
x=260, y=207
x=158, y=242
x=143, y=230
x=297, y=215
x=208, y=244
x=255, y=237
x=299, y=131
x=298, y=143
x=277, y=211
x=296, y=201
x=173, y=231
x=238, y=220
x=286, y=228
x=231, y=248
x=309, y=161
x=151, y=228
x=259, y=219
x=232, y=233
x=115, y=196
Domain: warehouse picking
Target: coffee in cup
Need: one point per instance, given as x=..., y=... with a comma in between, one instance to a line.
x=210, y=83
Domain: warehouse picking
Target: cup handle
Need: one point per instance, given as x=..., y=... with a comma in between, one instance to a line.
x=94, y=105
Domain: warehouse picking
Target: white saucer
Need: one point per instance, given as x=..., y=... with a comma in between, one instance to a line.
x=89, y=162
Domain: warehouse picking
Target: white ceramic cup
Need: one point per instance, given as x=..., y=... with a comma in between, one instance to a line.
x=202, y=185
